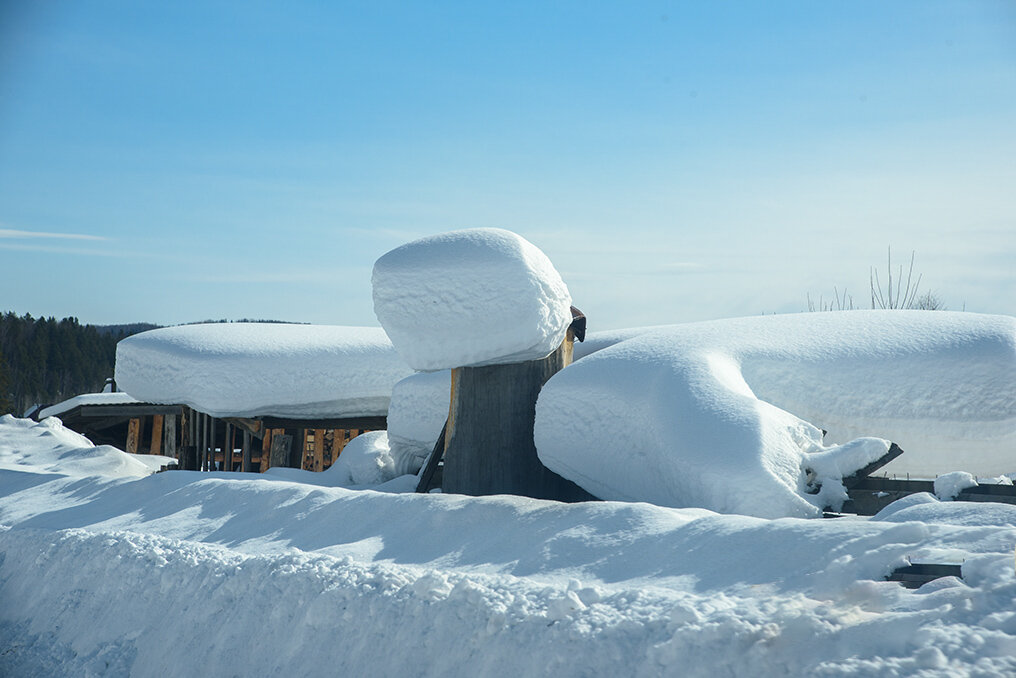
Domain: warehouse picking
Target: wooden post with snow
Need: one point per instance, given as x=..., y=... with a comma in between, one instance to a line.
x=489, y=445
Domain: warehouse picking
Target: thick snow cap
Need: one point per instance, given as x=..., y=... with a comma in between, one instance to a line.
x=251, y=369
x=726, y=414
x=481, y=296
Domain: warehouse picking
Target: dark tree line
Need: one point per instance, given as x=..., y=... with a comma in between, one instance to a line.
x=45, y=360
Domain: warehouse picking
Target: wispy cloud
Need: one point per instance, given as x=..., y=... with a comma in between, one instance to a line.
x=15, y=233
x=84, y=251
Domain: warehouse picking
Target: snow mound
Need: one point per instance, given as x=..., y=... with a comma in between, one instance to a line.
x=416, y=416
x=49, y=447
x=251, y=369
x=365, y=460
x=104, y=398
x=700, y=414
x=475, y=297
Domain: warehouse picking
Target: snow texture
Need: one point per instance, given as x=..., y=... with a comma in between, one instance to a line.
x=159, y=575
x=104, y=398
x=940, y=384
x=252, y=369
x=475, y=297
x=417, y=413
x=948, y=486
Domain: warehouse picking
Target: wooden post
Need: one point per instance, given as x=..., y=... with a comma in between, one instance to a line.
x=156, y=447
x=169, y=436
x=281, y=449
x=211, y=444
x=266, y=450
x=489, y=440
x=134, y=428
x=319, y=449
x=245, y=464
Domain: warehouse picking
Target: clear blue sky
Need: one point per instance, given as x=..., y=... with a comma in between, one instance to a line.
x=170, y=162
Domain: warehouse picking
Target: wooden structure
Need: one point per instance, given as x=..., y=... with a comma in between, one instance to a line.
x=140, y=428
x=488, y=443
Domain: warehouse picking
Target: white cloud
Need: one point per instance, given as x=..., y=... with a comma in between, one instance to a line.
x=15, y=233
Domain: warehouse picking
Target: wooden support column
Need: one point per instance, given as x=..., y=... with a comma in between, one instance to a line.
x=245, y=464
x=319, y=449
x=170, y=436
x=211, y=444
x=266, y=450
x=156, y=447
x=489, y=439
x=281, y=451
x=134, y=430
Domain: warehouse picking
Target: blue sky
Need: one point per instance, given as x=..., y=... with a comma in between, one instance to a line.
x=170, y=162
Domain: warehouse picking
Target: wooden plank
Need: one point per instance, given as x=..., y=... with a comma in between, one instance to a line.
x=430, y=467
x=372, y=423
x=319, y=449
x=255, y=427
x=134, y=435
x=915, y=575
x=169, y=435
x=856, y=478
x=489, y=440
x=266, y=449
x=156, y=447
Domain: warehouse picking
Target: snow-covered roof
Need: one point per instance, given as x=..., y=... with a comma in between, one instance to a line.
x=118, y=398
x=480, y=296
x=726, y=414
x=252, y=369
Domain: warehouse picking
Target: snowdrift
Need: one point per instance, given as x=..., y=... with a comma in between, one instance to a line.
x=113, y=575
x=251, y=369
x=700, y=414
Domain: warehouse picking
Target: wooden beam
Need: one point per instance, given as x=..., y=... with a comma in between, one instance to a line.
x=255, y=427
x=319, y=449
x=134, y=435
x=430, y=468
x=245, y=464
x=855, y=479
x=169, y=435
x=156, y=447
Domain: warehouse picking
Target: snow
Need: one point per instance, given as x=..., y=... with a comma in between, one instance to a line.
x=252, y=369
x=186, y=573
x=104, y=398
x=417, y=413
x=474, y=297
x=725, y=414
x=948, y=486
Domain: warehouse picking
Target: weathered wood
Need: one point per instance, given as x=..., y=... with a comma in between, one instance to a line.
x=134, y=429
x=245, y=464
x=211, y=444
x=855, y=479
x=427, y=477
x=489, y=441
x=188, y=458
x=871, y=495
x=156, y=447
x=169, y=435
x=281, y=448
x=255, y=427
x=379, y=423
x=266, y=449
x=914, y=576
x=319, y=449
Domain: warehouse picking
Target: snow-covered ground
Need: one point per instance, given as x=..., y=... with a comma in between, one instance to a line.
x=105, y=570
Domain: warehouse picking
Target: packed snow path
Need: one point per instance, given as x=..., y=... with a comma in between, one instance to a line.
x=183, y=573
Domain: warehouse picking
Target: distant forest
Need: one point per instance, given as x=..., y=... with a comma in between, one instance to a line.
x=45, y=360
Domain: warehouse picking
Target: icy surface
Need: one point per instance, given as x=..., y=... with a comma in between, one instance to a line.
x=113, y=576
x=103, y=398
x=475, y=297
x=417, y=413
x=250, y=369
x=942, y=385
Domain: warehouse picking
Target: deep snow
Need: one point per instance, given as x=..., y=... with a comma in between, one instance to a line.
x=479, y=296
x=250, y=369
x=105, y=572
